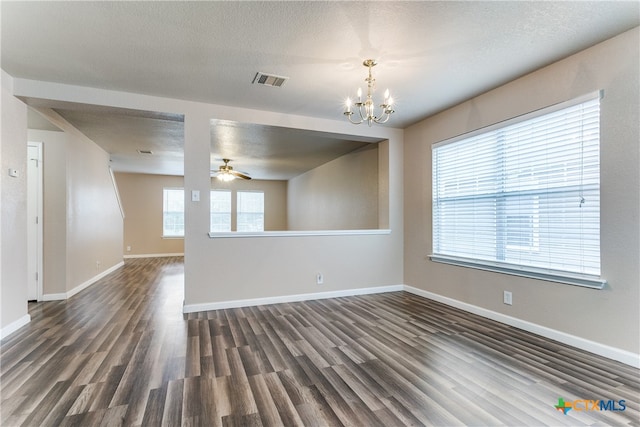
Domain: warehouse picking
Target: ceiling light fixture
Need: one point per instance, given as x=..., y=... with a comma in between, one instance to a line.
x=225, y=176
x=226, y=173
x=367, y=108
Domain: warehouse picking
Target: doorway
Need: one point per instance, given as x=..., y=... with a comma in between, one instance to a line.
x=34, y=221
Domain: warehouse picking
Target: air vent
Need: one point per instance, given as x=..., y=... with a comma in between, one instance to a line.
x=269, y=80
x=145, y=151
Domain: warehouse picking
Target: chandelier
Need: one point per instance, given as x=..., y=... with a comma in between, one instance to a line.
x=367, y=109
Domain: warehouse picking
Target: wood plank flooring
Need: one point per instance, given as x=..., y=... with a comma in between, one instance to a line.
x=122, y=353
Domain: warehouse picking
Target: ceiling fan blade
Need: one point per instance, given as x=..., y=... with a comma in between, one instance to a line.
x=240, y=175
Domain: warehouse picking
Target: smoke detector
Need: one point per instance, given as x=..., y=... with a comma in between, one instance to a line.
x=269, y=80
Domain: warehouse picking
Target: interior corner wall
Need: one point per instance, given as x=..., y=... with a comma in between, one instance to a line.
x=54, y=161
x=93, y=232
x=141, y=196
x=224, y=272
x=13, y=211
x=231, y=269
x=384, y=200
x=94, y=219
x=339, y=195
x=608, y=317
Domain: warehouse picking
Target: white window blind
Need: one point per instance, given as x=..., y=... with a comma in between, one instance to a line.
x=173, y=212
x=523, y=196
x=250, y=211
x=220, y=211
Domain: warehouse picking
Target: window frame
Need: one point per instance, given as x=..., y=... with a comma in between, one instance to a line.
x=230, y=212
x=164, y=212
x=497, y=265
x=238, y=212
x=234, y=213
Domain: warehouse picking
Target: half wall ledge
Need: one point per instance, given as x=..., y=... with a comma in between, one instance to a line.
x=237, y=234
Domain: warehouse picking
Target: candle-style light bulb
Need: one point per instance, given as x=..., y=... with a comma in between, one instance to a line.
x=348, y=104
x=386, y=96
x=359, y=94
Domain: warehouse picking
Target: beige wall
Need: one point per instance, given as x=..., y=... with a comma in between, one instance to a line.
x=609, y=316
x=339, y=195
x=54, y=169
x=94, y=221
x=141, y=197
x=275, y=199
x=228, y=270
x=78, y=181
x=13, y=222
x=223, y=269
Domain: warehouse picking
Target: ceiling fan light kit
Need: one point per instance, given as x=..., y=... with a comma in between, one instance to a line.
x=226, y=173
x=367, y=109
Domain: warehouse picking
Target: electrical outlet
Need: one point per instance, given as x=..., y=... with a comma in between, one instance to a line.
x=508, y=298
x=128, y=248
x=319, y=279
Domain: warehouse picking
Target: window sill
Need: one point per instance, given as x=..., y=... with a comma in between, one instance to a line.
x=173, y=237
x=592, y=282
x=237, y=234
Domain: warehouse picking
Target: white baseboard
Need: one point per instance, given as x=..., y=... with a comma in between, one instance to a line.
x=192, y=308
x=152, y=255
x=54, y=297
x=82, y=286
x=626, y=357
x=14, y=326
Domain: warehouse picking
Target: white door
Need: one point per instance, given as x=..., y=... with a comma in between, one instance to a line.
x=34, y=221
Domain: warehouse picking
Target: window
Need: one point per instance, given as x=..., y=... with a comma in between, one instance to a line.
x=220, y=211
x=173, y=212
x=523, y=196
x=250, y=211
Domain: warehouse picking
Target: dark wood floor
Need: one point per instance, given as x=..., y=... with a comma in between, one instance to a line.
x=121, y=353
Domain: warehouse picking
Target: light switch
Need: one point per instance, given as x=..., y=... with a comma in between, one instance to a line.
x=195, y=195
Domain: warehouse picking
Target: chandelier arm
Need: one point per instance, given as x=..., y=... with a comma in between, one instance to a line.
x=363, y=113
x=349, y=114
x=383, y=119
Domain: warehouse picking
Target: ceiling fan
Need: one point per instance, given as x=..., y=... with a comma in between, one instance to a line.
x=226, y=172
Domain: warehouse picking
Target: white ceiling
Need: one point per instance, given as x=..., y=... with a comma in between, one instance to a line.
x=432, y=55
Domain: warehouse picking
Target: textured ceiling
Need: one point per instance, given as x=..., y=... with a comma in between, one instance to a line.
x=432, y=55
x=275, y=152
